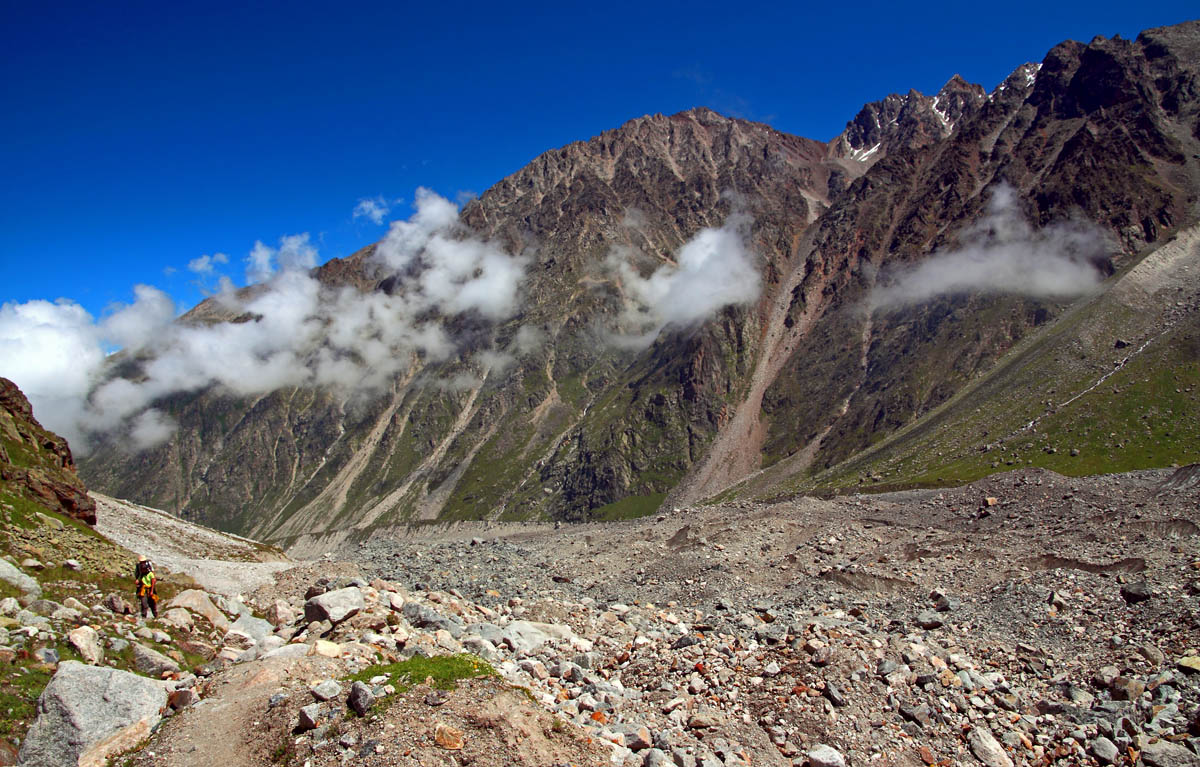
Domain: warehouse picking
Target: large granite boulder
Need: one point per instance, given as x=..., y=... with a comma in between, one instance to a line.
x=198, y=602
x=334, y=606
x=88, y=713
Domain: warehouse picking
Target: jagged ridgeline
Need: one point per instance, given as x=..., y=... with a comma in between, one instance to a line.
x=578, y=405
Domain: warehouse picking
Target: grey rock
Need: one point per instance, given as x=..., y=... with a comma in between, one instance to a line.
x=180, y=618
x=151, y=662
x=10, y=574
x=47, y=655
x=310, y=717
x=929, y=619
x=834, y=694
x=1164, y=753
x=822, y=755
x=526, y=636
x=687, y=640
x=334, y=606
x=987, y=749
x=44, y=607
x=256, y=628
x=1104, y=750
x=88, y=713
x=425, y=617
x=655, y=757
x=361, y=698
x=326, y=690
x=1134, y=593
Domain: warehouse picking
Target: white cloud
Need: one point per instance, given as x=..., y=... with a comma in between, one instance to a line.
x=54, y=352
x=302, y=333
x=206, y=264
x=295, y=253
x=712, y=270
x=374, y=209
x=1002, y=253
x=449, y=270
x=260, y=263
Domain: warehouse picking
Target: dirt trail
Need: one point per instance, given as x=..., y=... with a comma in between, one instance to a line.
x=226, y=730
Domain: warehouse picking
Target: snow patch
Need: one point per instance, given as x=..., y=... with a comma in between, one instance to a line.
x=1031, y=75
x=945, y=118
x=862, y=155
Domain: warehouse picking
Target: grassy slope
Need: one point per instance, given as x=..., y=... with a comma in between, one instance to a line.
x=1144, y=415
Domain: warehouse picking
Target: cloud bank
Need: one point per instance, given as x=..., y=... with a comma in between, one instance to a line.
x=1002, y=253
x=292, y=330
x=712, y=270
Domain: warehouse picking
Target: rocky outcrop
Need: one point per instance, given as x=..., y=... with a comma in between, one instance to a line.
x=36, y=463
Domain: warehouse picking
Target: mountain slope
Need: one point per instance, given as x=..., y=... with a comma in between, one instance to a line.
x=36, y=466
x=581, y=404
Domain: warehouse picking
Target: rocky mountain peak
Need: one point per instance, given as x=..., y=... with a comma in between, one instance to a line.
x=910, y=121
x=692, y=155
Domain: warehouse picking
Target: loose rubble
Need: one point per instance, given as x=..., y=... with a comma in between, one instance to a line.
x=925, y=628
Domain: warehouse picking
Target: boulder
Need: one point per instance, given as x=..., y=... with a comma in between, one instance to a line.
x=527, y=636
x=987, y=749
x=425, y=617
x=87, y=642
x=826, y=756
x=152, y=662
x=361, y=698
x=1164, y=753
x=88, y=713
x=310, y=717
x=10, y=574
x=326, y=690
x=255, y=628
x=334, y=606
x=179, y=617
x=118, y=605
x=280, y=614
x=1133, y=593
x=198, y=602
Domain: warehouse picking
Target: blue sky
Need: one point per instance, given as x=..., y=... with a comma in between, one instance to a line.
x=136, y=137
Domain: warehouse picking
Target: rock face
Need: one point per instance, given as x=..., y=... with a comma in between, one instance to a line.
x=36, y=463
x=800, y=379
x=87, y=714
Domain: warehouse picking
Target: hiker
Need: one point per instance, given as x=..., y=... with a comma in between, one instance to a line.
x=147, y=583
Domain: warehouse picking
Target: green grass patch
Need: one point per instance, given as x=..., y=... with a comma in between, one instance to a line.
x=442, y=672
x=20, y=687
x=629, y=508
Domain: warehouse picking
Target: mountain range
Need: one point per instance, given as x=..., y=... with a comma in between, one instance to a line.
x=695, y=305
